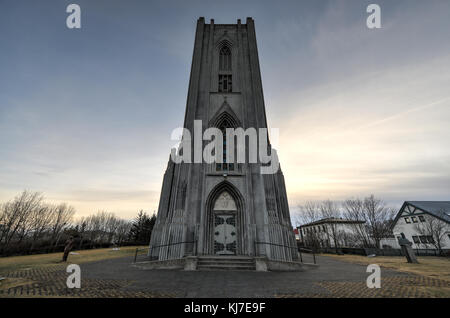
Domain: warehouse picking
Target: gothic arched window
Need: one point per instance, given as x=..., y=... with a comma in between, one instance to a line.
x=225, y=123
x=225, y=81
x=223, y=128
x=225, y=59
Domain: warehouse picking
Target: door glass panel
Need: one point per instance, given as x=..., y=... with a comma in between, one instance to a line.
x=225, y=235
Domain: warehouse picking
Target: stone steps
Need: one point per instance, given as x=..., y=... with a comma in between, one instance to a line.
x=225, y=263
x=205, y=262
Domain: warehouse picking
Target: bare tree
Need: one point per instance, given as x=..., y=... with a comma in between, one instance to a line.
x=82, y=225
x=320, y=235
x=27, y=221
x=310, y=212
x=2, y=215
x=92, y=228
x=435, y=229
x=111, y=225
x=378, y=218
x=16, y=212
x=354, y=210
x=122, y=231
x=62, y=215
x=40, y=223
x=312, y=238
x=330, y=210
x=103, y=227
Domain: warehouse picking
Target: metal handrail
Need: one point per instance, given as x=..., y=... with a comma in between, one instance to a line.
x=173, y=244
x=276, y=244
x=296, y=247
x=309, y=251
x=164, y=245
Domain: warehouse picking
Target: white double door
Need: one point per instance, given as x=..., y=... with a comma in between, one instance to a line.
x=225, y=234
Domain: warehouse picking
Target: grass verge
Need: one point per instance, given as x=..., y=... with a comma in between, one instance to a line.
x=14, y=263
x=430, y=266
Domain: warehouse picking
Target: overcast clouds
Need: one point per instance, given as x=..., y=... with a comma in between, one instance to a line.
x=86, y=116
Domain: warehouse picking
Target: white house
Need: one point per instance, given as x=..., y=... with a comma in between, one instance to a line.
x=425, y=223
x=329, y=231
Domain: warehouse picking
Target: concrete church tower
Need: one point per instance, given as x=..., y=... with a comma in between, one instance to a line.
x=223, y=208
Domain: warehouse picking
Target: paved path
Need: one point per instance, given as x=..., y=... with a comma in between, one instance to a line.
x=117, y=278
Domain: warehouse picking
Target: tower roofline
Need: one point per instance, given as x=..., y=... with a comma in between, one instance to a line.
x=238, y=21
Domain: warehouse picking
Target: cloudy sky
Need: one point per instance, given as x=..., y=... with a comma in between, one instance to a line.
x=86, y=115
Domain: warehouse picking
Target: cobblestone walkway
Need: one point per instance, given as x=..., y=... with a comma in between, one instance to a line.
x=51, y=282
x=117, y=278
x=413, y=286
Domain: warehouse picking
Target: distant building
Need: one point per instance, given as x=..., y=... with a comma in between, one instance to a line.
x=425, y=223
x=333, y=232
x=297, y=234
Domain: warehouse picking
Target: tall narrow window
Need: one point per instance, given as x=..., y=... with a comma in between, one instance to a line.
x=224, y=166
x=225, y=59
x=224, y=123
x=225, y=81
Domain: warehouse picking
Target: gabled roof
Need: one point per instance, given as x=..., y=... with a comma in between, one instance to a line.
x=439, y=209
x=332, y=220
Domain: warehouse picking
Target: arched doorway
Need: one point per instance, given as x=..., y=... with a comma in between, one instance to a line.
x=225, y=236
x=224, y=223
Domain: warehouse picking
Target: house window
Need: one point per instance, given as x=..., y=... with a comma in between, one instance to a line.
x=421, y=218
x=407, y=220
x=430, y=239
x=414, y=219
x=225, y=83
x=423, y=239
x=416, y=239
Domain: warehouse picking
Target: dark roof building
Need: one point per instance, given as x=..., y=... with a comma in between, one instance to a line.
x=332, y=220
x=439, y=209
x=414, y=221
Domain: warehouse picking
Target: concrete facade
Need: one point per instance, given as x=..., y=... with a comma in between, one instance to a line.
x=200, y=202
